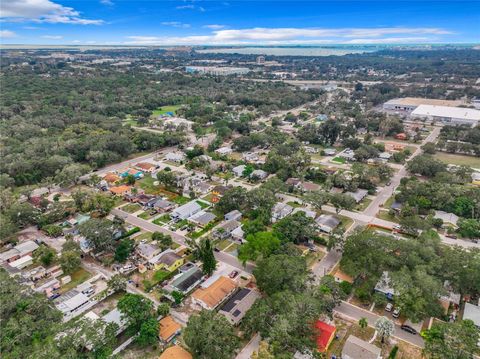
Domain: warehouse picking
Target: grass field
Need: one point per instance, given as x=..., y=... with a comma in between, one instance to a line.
x=339, y=159
x=131, y=207
x=78, y=277
x=459, y=160
x=164, y=109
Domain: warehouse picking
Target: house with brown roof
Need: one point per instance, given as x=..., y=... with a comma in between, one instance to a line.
x=175, y=352
x=145, y=166
x=168, y=328
x=121, y=190
x=111, y=178
x=213, y=295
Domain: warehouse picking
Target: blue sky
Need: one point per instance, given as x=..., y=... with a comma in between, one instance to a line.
x=164, y=22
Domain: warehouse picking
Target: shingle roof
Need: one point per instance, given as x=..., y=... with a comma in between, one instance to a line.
x=213, y=295
x=359, y=349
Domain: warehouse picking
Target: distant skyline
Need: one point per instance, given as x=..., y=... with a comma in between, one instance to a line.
x=149, y=22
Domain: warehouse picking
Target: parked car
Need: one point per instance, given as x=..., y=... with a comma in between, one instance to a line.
x=233, y=274
x=389, y=307
x=396, y=313
x=408, y=329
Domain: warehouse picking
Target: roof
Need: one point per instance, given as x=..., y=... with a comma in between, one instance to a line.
x=234, y=214
x=358, y=195
x=168, y=258
x=384, y=284
x=71, y=300
x=168, y=327
x=239, y=168
x=188, y=208
x=120, y=189
x=229, y=226
x=259, y=173
x=417, y=101
x=175, y=352
x=328, y=220
x=282, y=209
x=147, y=249
x=310, y=186
x=220, y=189
x=447, y=217
x=213, y=295
x=21, y=261
x=359, y=349
x=472, y=312
x=115, y=316
x=111, y=177
x=184, y=281
x=308, y=213
x=160, y=203
x=203, y=217
x=145, y=165
x=447, y=111
x=26, y=247
x=238, y=305
x=325, y=333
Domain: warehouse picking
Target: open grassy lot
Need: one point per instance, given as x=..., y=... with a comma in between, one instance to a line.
x=131, y=208
x=145, y=235
x=459, y=160
x=162, y=219
x=164, y=109
x=339, y=159
x=78, y=277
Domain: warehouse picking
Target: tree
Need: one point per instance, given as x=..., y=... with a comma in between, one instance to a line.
x=117, y=283
x=70, y=174
x=166, y=178
x=317, y=198
x=209, y=263
x=209, y=335
x=385, y=328
x=99, y=233
x=260, y=244
x=123, y=250
x=451, y=340
x=263, y=352
x=148, y=334
x=136, y=309
x=429, y=148
x=45, y=255
x=342, y=201
x=52, y=230
x=165, y=240
x=7, y=228
x=130, y=179
x=426, y=165
x=296, y=228
x=163, y=309
x=70, y=261
x=235, y=198
x=281, y=272
x=363, y=323
x=469, y=228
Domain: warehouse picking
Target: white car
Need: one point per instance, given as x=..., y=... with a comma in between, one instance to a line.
x=396, y=313
x=389, y=307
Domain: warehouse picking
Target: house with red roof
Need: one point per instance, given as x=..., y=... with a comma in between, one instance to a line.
x=325, y=334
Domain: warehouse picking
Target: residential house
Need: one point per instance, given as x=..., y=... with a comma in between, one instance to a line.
x=472, y=312
x=325, y=336
x=72, y=304
x=168, y=260
x=186, y=281
x=141, y=198
x=238, y=234
x=111, y=178
x=476, y=178
x=225, y=229
x=174, y=157
x=238, y=170
x=259, y=174
x=213, y=295
x=20, y=250
x=356, y=348
x=310, y=149
x=235, y=215
x=385, y=286
x=385, y=156
x=329, y=151
x=132, y=172
x=202, y=218
x=185, y=211
x=223, y=151
x=293, y=182
x=168, y=329
x=358, y=195
x=347, y=154
x=175, y=352
x=447, y=218
x=401, y=136
x=146, y=167
x=327, y=222
x=237, y=306
x=308, y=213
x=115, y=316
x=396, y=206
x=250, y=157
x=147, y=251
x=308, y=186
x=21, y=262
x=281, y=210
x=121, y=190
x=160, y=205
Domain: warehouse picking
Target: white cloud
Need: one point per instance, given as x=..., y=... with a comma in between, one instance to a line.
x=278, y=36
x=190, y=7
x=52, y=37
x=41, y=11
x=7, y=34
x=176, y=24
x=107, y=2
x=214, y=26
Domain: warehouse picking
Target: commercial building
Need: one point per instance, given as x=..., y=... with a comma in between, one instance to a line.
x=408, y=104
x=448, y=115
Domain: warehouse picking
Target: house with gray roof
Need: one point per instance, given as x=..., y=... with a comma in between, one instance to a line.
x=202, y=218
x=160, y=205
x=327, y=222
x=358, y=195
x=185, y=282
x=225, y=229
x=281, y=210
x=238, y=170
x=186, y=211
x=356, y=348
x=237, y=306
x=385, y=286
x=472, y=312
x=235, y=214
x=260, y=174
x=147, y=251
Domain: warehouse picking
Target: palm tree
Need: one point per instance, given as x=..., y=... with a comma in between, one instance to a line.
x=384, y=327
x=363, y=323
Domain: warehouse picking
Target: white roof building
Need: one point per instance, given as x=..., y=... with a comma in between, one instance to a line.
x=472, y=312
x=175, y=156
x=447, y=114
x=356, y=348
x=238, y=171
x=223, y=150
x=187, y=210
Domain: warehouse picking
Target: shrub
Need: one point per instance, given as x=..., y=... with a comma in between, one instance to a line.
x=393, y=352
x=346, y=287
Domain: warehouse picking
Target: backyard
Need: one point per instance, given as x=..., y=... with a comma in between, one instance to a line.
x=78, y=277
x=459, y=160
x=164, y=109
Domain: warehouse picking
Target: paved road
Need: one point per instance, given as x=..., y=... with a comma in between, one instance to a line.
x=251, y=347
x=355, y=313
x=388, y=191
x=152, y=227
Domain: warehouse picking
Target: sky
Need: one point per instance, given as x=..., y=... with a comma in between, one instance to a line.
x=240, y=22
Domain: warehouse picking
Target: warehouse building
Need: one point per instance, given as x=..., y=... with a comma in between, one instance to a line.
x=408, y=104
x=448, y=115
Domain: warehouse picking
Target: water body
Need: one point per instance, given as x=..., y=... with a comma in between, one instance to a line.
x=288, y=51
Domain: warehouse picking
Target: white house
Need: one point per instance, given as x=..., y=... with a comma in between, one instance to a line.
x=238, y=171
x=327, y=223
x=185, y=211
x=223, y=151
x=174, y=157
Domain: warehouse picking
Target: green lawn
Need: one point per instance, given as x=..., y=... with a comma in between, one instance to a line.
x=294, y=204
x=145, y=215
x=131, y=207
x=363, y=204
x=386, y=216
x=164, y=109
x=146, y=183
x=146, y=235
x=78, y=277
x=223, y=244
x=202, y=204
x=162, y=219
x=339, y=159
x=181, y=200
x=459, y=160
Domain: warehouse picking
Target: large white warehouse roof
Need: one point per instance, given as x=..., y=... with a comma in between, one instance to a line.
x=447, y=111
